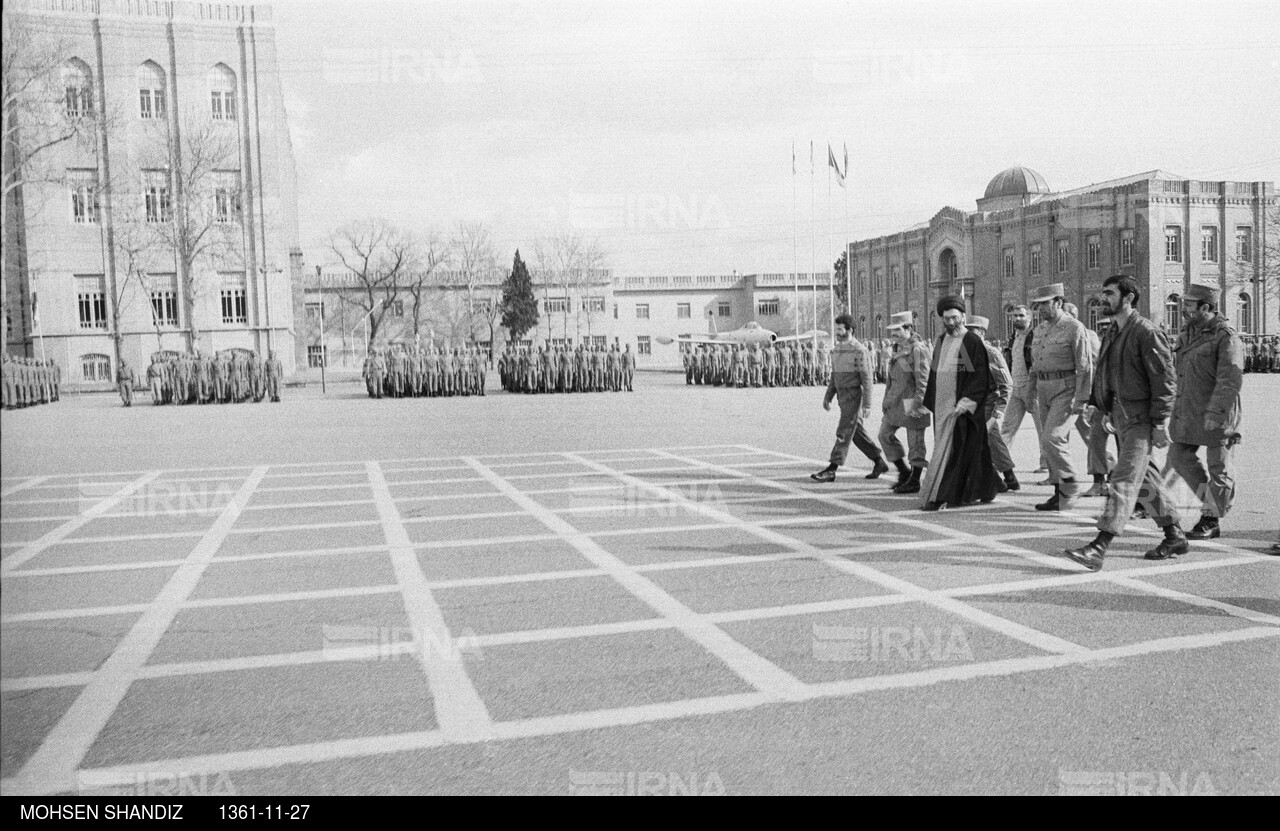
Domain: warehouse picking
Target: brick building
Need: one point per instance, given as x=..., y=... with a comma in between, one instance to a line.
x=183, y=138
x=1165, y=231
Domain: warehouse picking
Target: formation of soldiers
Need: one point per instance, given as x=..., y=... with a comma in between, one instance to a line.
x=424, y=372
x=1261, y=353
x=774, y=365
x=232, y=376
x=30, y=381
x=559, y=369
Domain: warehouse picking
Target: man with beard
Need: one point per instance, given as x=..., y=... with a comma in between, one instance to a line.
x=1134, y=388
x=997, y=400
x=1022, y=398
x=850, y=385
x=1206, y=412
x=959, y=383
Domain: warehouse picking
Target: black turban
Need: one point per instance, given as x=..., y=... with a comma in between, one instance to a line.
x=951, y=301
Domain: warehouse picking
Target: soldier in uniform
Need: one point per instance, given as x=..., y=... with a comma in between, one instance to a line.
x=996, y=402
x=851, y=386
x=1064, y=375
x=628, y=361
x=903, y=405
x=1100, y=462
x=56, y=372
x=1135, y=387
x=155, y=380
x=378, y=369
x=124, y=382
x=754, y=377
x=275, y=376
x=8, y=375
x=1206, y=412
x=687, y=358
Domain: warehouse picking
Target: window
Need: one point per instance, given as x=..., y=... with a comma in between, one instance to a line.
x=151, y=91
x=722, y=309
x=684, y=310
x=235, y=308
x=222, y=93
x=685, y=280
x=315, y=310
x=1244, y=244
x=1093, y=251
x=1173, y=312
x=84, y=196
x=1064, y=255
x=1172, y=244
x=862, y=280
x=226, y=196
x=1126, y=247
x=1008, y=321
x=556, y=304
x=597, y=340
x=396, y=308
x=316, y=356
x=1209, y=244
x=593, y=304
x=95, y=368
x=767, y=308
x=1008, y=264
x=1093, y=316
x=895, y=278
x=642, y=311
x=77, y=89
x=164, y=303
x=643, y=346
x=877, y=280
x=155, y=192
x=1244, y=315
x=91, y=298
x=913, y=276
x=1037, y=257
x=615, y=311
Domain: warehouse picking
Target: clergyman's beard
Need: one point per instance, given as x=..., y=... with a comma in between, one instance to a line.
x=954, y=329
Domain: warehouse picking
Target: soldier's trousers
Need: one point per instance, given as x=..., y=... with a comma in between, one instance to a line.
x=126, y=393
x=1135, y=479
x=273, y=388
x=628, y=377
x=893, y=450
x=1216, y=489
x=157, y=392
x=1001, y=458
x=850, y=429
x=1021, y=402
x=1054, y=397
x=1097, y=439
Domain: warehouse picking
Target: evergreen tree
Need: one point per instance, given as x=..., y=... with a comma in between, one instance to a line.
x=519, y=304
x=841, y=287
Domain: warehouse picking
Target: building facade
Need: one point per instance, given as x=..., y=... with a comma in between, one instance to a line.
x=600, y=310
x=170, y=222
x=1165, y=231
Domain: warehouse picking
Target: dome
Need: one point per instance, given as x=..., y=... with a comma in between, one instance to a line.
x=1016, y=181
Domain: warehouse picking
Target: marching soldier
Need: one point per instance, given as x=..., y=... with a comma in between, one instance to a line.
x=1064, y=375
x=903, y=403
x=1100, y=463
x=996, y=401
x=275, y=376
x=628, y=368
x=1206, y=412
x=851, y=386
x=155, y=380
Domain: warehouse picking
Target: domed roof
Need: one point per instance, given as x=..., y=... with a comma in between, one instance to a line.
x=1016, y=181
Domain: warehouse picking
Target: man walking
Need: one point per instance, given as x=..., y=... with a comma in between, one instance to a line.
x=1206, y=412
x=903, y=405
x=124, y=381
x=997, y=400
x=1064, y=373
x=851, y=386
x=1022, y=396
x=1135, y=388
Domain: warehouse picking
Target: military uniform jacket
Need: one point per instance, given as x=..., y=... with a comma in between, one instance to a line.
x=850, y=372
x=1135, y=382
x=1210, y=360
x=908, y=379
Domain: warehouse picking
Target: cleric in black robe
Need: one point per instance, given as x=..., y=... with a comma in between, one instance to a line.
x=960, y=380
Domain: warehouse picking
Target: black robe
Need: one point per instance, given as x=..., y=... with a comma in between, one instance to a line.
x=969, y=475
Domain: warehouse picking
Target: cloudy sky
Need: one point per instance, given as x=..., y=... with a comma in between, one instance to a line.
x=665, y=129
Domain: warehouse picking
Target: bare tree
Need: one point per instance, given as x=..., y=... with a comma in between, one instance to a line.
x=40, y=113
x=573, y=263
x=474, y=262
x=379, y=257
x=432, y=255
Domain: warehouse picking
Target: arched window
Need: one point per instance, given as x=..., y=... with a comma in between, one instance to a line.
x=862, y=325
x=222, y=93
x=1244, y=314
x=1173, y=312
x=1008, y=321
x=95, y=367
x=77, y=84
x=151, y=99
x=948, y=267
x=1093, y=316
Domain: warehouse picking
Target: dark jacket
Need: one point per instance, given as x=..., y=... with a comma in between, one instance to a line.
x=1210, y=361
x=1135, y=381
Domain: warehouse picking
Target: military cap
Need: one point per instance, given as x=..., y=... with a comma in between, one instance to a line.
x=978, y=322
x=1201, y=294
x=899, y=319
x=1048, y=292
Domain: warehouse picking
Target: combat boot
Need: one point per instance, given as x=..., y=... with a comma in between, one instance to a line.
x=876, y=469
x=912, y=485
x=904, y=473
x=1099, y=486
x=1011, y=481
x=1206, y=529
x=1053, y=503
x=1091, y=555
x=1174, y=543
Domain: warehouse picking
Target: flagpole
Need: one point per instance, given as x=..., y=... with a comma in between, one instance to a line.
x=848, y=259
x=813, y=249
x=831, y=280
x=795, y=240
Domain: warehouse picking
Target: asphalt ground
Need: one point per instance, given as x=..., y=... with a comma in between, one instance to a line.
x=614, y=593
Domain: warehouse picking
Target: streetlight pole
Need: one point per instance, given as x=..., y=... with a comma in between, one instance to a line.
x=324, y=352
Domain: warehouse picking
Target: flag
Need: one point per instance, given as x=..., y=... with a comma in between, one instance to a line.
x=831, y=160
